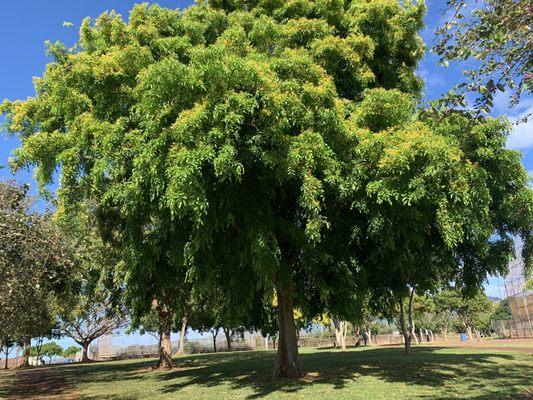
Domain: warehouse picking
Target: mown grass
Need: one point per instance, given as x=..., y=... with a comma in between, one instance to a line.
x=374, y=373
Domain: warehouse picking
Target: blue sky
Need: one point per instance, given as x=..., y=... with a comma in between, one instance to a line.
x=26, y=24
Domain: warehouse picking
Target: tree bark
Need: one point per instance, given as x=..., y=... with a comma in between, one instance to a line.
x=85, y=351
x=405, y=332
x=411, y=318
x=164, y=319
x=27, y=352
x=215, y=334
x=227, y=333
x=469, y=331
x=413, y=332
x=337, y=326
x=183, y=332
x=165, y=350
x=287, y=363
x=343, y=333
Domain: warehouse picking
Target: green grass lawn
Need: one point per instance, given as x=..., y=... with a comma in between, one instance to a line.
x=374, y=373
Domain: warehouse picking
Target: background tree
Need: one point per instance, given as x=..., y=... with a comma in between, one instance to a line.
x=472, y=311
x=447, y=302
x=205, y=320
x=70, y=352
x=35, y=268
x=528, y=285
x=496, y=35
x=438, y=201
x=425, y=317
x=502, y=311
x=94, y=307
x=411, y=195
x=475, y=312
x=6, y=345
x=50, y=350
x=88, y=320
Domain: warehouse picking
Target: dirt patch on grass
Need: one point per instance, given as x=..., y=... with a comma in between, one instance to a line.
x=518, y=345
x=40, y=383
x=519, y=349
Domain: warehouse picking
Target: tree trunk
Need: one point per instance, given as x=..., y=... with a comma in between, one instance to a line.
x=337, y=326
x=183, y=332
x=164, y=320
x=469, y=331
x=227, y=333
x=5, y=364
x=287, y=363
x=405, y=332
x=413, y=332
x=27, y=352
x=411, y=319
x=343, y=333
x=369, y=335
x=274, y=342
x=215, y=334
x=85, y=351
x=165, y=349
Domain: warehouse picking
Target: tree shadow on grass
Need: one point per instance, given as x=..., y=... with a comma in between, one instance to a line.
x=447, y=371
x=7, y=378
x=451, y=373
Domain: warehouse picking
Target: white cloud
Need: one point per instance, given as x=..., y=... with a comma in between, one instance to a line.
x=522, y=136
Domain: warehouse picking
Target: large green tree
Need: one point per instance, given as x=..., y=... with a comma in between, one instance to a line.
x=215, y=137
x=444, y=201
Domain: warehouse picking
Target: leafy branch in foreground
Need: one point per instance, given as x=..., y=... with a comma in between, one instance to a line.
x=496, y=35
